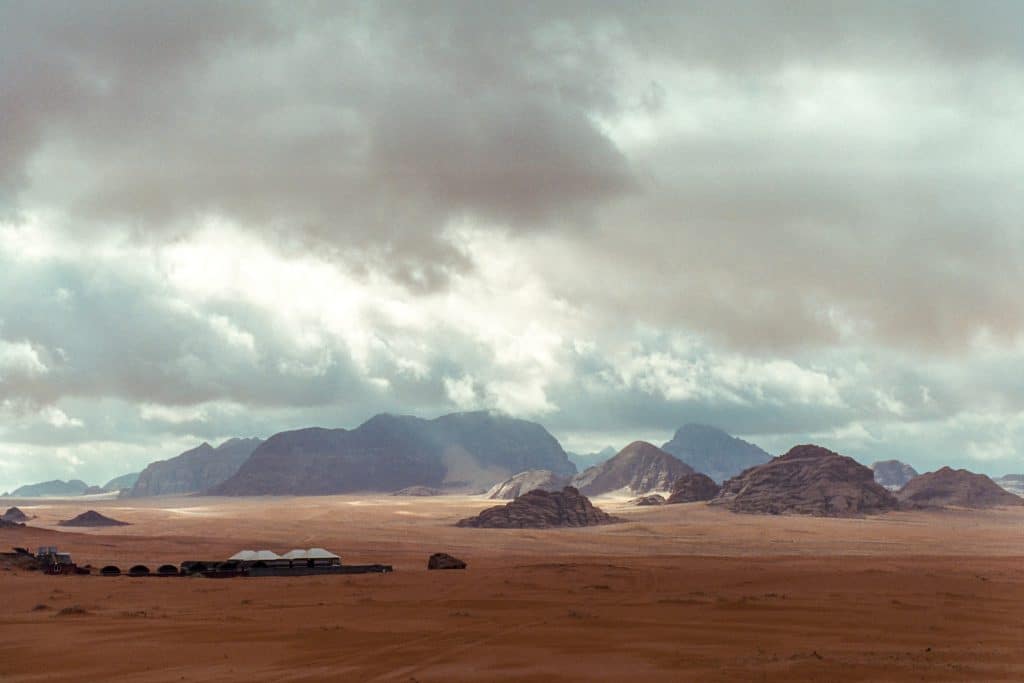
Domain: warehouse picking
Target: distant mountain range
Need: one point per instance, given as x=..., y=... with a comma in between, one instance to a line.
x=506, y=457
x=75, y=487
x=57, y=487
x=713, y=452
x=457, y=452
x=585, y=460
x=194, y=471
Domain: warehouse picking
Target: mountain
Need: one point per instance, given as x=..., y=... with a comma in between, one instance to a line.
x=193, y=471
x=808, y=480
x=75, y=487
x=691, y=488
x=639, y=468
x=959, y=488
x=518, y=484
x=542, y=510
x=1014, y=483
x=713, y=452
x=585, y=460
x=125, y=481
x=893, y=474
x=461, y=451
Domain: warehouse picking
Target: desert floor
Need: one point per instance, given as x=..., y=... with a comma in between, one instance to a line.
x=675, y=593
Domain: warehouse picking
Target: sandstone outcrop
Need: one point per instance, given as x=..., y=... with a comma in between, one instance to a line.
x=541, y=510
x=808, y=480
x=695, y=487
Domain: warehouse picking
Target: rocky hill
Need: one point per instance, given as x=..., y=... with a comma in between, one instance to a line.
x=75, y=487
x=542, y=510
x=713, y=452
x=458, y=452
x=521, y=483
x=639, y=468
x=691, y=488
x=91, y=519
x=893, y=474
x=14, y=515
x=808, y=480
x=193, y=471
x=956, y=488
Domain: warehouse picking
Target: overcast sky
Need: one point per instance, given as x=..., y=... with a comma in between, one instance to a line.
x=799, y=221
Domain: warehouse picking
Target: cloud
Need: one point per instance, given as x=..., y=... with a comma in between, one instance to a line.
x=793, y=220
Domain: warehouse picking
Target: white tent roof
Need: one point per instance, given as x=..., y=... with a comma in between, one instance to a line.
x=311, y=554
x=267, y=555
x=255, y=555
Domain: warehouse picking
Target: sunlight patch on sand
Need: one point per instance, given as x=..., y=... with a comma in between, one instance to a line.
x=199, y=512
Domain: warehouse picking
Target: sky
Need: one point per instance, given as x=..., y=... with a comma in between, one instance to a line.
x=798, y=221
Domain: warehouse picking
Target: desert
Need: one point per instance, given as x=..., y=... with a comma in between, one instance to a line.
x=482, y=341
x=679, y=592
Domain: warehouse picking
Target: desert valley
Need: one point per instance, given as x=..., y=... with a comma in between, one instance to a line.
x=799, y=568
x=473, y=341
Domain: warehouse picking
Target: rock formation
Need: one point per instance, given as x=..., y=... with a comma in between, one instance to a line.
x=459, y=452
x=444, y=561
x=639, y=468
x=418, y=492
x=893, y=474
x=14, y=515
x=691, y=488
x=645, y=501
x=957, y=488
x=92, y=519
x=713, y=452
x=75, y=487
x=542, y=510
x=808, y=480
x=194, y=471
x=520, y=483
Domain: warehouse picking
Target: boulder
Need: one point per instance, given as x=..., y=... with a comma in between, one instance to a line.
x=444, y=561
x=541, y=510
